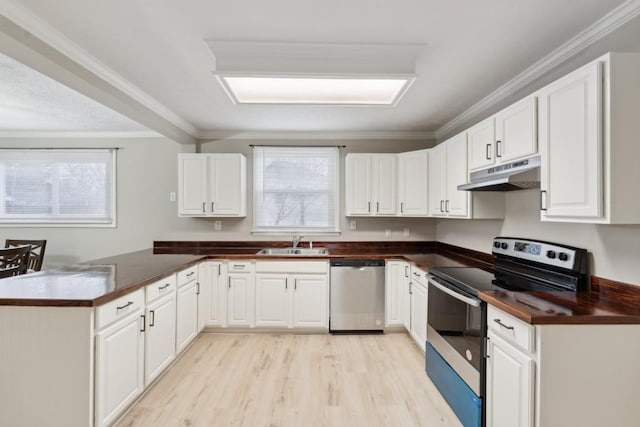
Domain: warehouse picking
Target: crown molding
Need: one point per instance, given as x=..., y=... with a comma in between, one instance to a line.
x=598, y=30
x=205, y=136
x=79, y=134
x=39, y=28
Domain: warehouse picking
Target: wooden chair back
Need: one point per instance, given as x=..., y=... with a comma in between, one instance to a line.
x=37, y=251
x=14, y=261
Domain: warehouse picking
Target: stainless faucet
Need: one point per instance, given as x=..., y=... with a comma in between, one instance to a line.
x=296, y=240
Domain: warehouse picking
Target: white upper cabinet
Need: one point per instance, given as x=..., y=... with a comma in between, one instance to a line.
x=447, y=170
x=212, y=185
x=370, y=184
x=413, y=178
x=517, y=131
x=482, y=143
x=509, y=135
x=588, y=143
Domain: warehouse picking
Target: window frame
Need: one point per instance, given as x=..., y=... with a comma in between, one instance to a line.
x=70, y=223
x=293, y=231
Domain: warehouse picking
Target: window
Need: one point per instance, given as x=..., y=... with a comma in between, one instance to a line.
x=57, y=186
x=295, y=189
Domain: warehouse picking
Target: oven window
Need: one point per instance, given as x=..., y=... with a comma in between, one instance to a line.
x=458, y=323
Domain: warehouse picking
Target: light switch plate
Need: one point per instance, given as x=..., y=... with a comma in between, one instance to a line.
x=172, y=196
x=352, y=225
x=406, y=232
x=387, y=232
x=217, y=225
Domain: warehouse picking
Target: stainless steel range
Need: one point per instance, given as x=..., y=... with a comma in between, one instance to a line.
x=457, y=319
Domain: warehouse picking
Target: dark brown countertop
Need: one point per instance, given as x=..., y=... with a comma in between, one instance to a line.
x=565, y=308
x=92, y=283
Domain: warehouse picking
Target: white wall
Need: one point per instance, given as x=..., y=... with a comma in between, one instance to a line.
x=615, y=248
x=146, y=173
x=368, y=229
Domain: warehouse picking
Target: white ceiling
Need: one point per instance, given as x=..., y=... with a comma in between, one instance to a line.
x=472, y=48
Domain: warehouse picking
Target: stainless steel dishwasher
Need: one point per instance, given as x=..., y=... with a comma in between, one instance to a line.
x=356, y=295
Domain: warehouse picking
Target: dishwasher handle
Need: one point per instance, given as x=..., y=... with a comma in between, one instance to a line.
x=357, y=263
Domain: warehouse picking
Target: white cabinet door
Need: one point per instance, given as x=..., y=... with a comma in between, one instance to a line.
x=192, y=184
x=419, y=314
x=310, y=301
x=482, y=150
x=516, y=131
x=437, y=180
x=186, y=315
x=272, y=300
x=570, y=132
x=358, y=184
x=406, y=298
x=203, y=291
x=509, y=385
x=457, y=202
x=384, y=184
x=394, y=298
x=227, y=185
x=413, y=178
x=119, y=367
x=240, y=299
x=160, y=339
x=216, y=310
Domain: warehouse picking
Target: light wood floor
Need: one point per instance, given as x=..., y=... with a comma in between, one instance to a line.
x=295, y=380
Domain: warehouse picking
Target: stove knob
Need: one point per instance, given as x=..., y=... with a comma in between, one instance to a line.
x=563, y=256
x=551, y=254
x=504, y=245
x=496, y=245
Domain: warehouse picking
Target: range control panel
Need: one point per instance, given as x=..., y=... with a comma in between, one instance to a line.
x=542, y=252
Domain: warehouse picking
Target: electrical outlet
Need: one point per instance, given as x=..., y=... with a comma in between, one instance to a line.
x=352, y=225
x=172, y=196
x=217, y=225
x=406, y=232
x=387, y=232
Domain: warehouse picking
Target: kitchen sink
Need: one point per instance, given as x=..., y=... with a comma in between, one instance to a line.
x=293, y=251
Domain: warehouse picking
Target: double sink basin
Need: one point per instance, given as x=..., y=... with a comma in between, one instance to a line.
x=293, y=251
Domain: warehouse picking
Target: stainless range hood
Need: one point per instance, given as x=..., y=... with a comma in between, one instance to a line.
x=517, y=175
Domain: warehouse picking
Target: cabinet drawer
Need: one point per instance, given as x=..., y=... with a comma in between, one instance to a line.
x=512, y=329
x=119, y=308
x=234, y=267
x=187, y=275
x=161, y=288
x=419, y=275
x=290, y=267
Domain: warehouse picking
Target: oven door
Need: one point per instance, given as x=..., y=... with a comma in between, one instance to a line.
x=456, y=327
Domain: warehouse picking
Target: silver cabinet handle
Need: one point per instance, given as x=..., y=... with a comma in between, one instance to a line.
x=286, y=284
x=410, y=293
x=416, y=274
x=122, y=307
x=204, y=207
x=368, y=206
x=229, y=282
x=144, y=323
x=406, y=271
x=295, y=284
x=212, y=204
x=510, y=328
x=163, y=287
x=441, y=203
x=198, y=288
x=191, y=274
x=377, y=206
x=401, y=207
x=498, y=150
x=543, y=200
x=446, y=206
x=152, y=321
x=488, y=152
x=219, y=268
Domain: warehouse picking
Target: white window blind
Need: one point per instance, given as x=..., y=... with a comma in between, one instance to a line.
x=57, y=186
x=295, y=189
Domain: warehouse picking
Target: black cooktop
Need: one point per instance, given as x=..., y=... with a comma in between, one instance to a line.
x=473, y=280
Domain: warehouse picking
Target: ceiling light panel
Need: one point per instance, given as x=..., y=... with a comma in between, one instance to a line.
x=315, y=90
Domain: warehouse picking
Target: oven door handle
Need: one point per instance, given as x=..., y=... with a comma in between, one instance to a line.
x=470, y=301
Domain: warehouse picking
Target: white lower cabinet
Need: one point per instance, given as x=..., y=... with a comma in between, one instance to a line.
x=213, y=282
x=240, y=296
x=186, y=312
x=119, y=375
x=396, y=274
x=509, y=385
x=160, y=337
x=418, y=297
x=292, y=294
